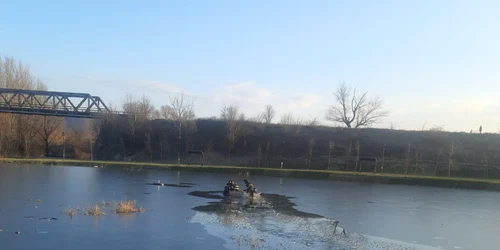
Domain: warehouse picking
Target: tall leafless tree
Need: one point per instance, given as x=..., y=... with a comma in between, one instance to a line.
x=182, y=112
x=259, y=155
x=18, y=133
x=331, y=146
x=166, y=112
x=229, y=113
x=436, y=170
x=310, y=150
x=353, y=109
x=268, y=114
x=47, y=128
x=357, y=156
x=407, y=159
x=268, y=147
x=287, y=119
x=453, y=148
x=208, y=150
x=234, y=120
x=147, y=144
x=93, y=128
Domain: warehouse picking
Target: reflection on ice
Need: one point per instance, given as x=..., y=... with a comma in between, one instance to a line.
x=272, y=222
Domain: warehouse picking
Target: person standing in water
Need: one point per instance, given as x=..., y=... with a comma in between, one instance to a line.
x=250, y=187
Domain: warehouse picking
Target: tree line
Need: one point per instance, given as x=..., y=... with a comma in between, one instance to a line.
x=167, y=133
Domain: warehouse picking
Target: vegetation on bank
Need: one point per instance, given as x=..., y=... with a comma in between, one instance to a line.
x=385, y=178
x=168, y=133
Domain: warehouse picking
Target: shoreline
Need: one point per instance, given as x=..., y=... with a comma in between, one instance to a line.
x=365, y=177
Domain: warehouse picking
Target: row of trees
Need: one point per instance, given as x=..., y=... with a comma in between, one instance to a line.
x=33, y=136
x=167, y=133
x=24, y=135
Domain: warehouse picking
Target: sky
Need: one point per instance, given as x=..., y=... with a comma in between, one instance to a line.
x=433, y=63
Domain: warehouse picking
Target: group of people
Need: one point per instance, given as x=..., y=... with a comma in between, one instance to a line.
x=232, y=186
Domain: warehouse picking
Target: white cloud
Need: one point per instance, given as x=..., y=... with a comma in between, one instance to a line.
x=303, y=101
x=243, y=93
x=161, y=86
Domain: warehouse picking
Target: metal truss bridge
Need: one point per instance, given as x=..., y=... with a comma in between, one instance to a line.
x=51, y=103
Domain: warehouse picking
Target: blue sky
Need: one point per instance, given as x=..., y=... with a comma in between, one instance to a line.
x=433, y=62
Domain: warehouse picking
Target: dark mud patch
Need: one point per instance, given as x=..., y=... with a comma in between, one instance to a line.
x=47, y=219
x=169, y=185
x=266, y=203
x=207, y=194
x=188, y=183
x=41, y=219
x=282, y=204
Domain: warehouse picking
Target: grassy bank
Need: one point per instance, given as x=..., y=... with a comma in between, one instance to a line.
x=465, y=183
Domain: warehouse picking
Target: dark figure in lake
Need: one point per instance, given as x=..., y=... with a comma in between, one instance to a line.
x=231, y=186
x=250, y=188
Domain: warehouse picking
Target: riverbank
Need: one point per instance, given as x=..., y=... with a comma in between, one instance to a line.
x=463, y=183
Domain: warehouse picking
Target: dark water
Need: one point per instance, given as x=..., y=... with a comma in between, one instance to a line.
x=182, y=215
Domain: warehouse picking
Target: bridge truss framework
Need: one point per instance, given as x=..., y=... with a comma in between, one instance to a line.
x=51, y=103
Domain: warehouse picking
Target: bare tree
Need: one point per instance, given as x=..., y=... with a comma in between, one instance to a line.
x=46, y=128
x=259, y=155
x=310, y=151
x=245, y=147
x=147, y=144
x=313, y=122
x=129, y=104
x=436, y=170
x=229, y=113
x=18, y=133
x=268, y=146
x=28, y=131
x=331, y=145
x=484, y=162
x=355, y=110
x=424, y=125
x=407, y=159
x=357, y=156
x=182, y=112
x=450, y=157
x=268, y=114
x=93, y=128
x=287, y=119
x=166, y=112
x=208, y=150
x=156, y=115
x=349, y=151
x=416, y=160
x=437, y=128
x=145, y=108
x=234, y=120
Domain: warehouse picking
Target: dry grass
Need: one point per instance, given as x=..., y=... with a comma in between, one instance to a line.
x=129, y=206
x=94, y=210
x=71, y=212
x=108, y=203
